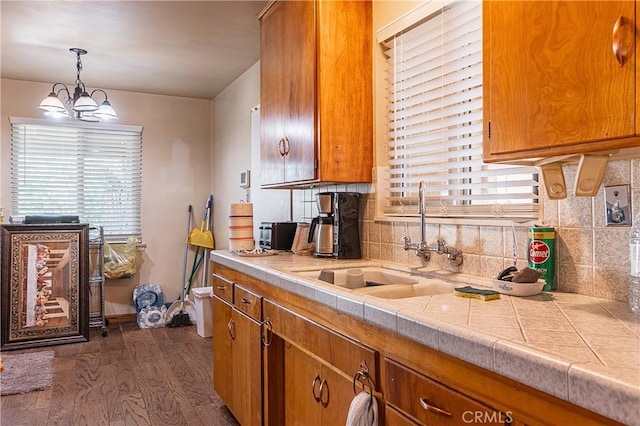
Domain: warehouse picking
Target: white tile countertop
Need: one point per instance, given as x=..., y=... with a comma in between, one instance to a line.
x=581, y=349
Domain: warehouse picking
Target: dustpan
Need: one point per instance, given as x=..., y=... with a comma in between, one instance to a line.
x=201, y=237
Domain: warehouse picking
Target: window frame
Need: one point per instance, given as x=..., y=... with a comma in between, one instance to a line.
x=87, y=133
x=492, y=212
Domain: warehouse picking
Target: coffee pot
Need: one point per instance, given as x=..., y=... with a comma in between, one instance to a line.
x=321, y=230
x=335, y=231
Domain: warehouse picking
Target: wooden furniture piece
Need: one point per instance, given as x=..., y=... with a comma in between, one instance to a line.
x=316, y=114
x=560, y=78
x=318, y=368
x=237, y=350
x=306, y=343
x=432, y=403
x=97, y=280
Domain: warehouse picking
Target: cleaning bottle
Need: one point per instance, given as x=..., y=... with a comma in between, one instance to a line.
x=634, y=263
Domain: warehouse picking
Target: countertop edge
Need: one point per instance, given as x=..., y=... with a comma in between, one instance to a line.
x=579, y=384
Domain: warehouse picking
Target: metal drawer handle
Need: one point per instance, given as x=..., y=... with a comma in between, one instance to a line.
x=231, y=326
x=267, y=336
x=425, y=404
x=221, y=287
x=322, y=387
x=245, y=301
x=619, y=51
x=316, y=396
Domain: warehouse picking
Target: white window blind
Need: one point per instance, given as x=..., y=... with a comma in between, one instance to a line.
x=91, y=171
x=434, y=117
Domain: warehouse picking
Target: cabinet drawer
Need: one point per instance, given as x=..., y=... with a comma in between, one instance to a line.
x=336, y=349
x=433, y=403
x=223, y=288
x=248, y=302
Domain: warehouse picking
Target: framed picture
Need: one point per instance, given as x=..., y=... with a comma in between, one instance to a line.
x=45, y=285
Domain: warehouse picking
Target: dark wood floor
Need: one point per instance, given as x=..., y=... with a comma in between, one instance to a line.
x=132, y=376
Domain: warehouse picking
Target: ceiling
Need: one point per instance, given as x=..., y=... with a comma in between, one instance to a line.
x=178, y=48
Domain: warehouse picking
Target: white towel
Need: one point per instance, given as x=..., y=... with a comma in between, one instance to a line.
x=363, y=410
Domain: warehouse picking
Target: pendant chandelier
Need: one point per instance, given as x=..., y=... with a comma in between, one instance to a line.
x=83, y=106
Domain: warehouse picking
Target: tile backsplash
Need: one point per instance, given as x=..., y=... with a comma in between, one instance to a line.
x=591, y=259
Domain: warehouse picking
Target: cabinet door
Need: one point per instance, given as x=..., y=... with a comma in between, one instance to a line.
x=551, y=77
x=222, y=356
x=314, y=393
x=287, y=93
x=237, y=362
x=335, y=398
x=301, y=387
x=272, y=95
x=247, y=370
x=300, y=90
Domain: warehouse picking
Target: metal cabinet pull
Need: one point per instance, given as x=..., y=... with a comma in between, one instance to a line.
x=231, y=326
x=221, y=287
x=267, y=337
x=619, y=51
x=281, y=147
x=425, y=404
x=316, y=396
x=324, y=385
x=245, y=301
x=287, y=146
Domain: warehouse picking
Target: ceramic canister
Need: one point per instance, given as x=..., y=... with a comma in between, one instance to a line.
x=241, y=226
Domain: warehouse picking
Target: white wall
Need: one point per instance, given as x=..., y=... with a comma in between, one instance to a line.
x=236, y=147
x=176, y=163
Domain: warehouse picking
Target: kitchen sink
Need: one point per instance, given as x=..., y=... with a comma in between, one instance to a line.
x=381, y=282
x=371, y=276
x=424, y=287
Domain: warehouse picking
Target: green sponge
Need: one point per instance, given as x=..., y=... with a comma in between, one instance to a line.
x=476, y=293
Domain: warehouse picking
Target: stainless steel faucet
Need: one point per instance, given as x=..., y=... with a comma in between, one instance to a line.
x=422, y=248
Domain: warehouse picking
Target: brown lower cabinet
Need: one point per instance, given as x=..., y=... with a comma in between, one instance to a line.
x=318, y=368
x=237, y=360
x=281, y=359
x=432, y=403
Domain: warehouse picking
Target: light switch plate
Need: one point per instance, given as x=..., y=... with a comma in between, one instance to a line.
x=617, y=205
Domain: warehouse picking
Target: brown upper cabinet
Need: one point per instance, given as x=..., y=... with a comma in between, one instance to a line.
x=316, y=119
x=560, y=78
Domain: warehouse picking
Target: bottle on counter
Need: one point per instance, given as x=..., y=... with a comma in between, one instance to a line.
x=634, y=265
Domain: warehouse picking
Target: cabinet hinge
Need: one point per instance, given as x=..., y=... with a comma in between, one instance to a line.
x=315, y=164
x=489, y=130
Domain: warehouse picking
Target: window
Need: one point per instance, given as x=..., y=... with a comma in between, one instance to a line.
x=91, y=171
x=434, y=118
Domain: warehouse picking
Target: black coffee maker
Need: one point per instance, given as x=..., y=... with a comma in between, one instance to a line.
x=346, y=234
x=336, y=232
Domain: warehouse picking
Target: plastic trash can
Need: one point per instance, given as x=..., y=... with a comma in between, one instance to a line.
x=204, y=310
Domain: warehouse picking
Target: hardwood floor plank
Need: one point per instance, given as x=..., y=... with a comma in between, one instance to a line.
x=130, y=377
x=134, y=410
x=93, y=413
x=168, y=418
x=125, y=377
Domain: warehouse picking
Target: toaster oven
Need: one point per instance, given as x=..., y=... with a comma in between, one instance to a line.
x=277, y=235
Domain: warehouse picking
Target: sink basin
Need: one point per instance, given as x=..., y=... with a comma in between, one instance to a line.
x=425, y=287
x=383, y=282
x=371, y=277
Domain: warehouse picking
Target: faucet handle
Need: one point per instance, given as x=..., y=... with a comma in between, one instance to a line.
x=406, y=241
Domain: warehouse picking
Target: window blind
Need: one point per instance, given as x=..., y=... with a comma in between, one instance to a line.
x=435, y=126
x=91, y=171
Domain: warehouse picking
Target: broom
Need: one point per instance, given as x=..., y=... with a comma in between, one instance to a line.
x=182, y=318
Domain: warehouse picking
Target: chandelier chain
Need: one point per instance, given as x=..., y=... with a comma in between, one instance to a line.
x=79, y=68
